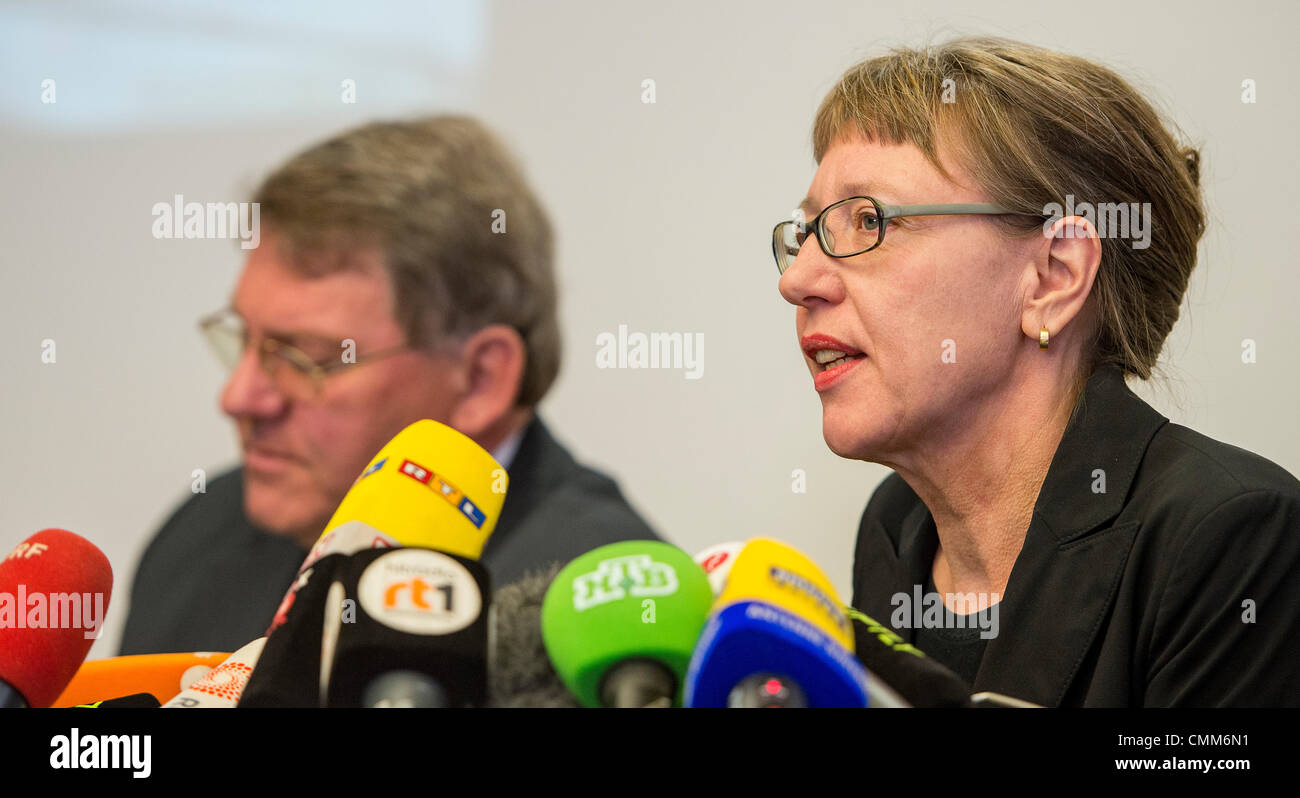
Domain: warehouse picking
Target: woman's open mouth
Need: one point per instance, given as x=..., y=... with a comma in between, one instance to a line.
x=831, y=357
x=833, y=364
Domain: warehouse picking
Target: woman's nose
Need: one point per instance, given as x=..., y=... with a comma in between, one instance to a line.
x=812, y=277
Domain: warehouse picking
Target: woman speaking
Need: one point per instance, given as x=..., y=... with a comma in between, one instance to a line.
x=998, y=236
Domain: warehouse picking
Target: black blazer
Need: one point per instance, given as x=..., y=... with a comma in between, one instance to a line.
x=210, y=581
x=1177, y=586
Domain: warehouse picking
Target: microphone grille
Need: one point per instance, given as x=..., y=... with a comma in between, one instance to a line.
x=520, y=673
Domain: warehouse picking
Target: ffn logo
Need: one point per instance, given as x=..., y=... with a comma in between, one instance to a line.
x=618, y=577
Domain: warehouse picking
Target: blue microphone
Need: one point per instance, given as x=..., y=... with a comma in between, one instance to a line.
x=787, y=654
x=777, y=637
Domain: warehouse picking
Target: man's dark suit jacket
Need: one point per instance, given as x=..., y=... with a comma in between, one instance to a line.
x=1177, y=586
x=210, y=581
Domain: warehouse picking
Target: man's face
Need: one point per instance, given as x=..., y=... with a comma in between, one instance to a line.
x=302, y=455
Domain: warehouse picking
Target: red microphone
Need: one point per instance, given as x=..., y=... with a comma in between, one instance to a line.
x=54, y=590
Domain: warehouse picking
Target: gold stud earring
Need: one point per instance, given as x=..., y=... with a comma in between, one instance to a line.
x=1042, y=338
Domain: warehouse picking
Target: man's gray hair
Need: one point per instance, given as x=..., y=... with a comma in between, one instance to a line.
x=465, y=241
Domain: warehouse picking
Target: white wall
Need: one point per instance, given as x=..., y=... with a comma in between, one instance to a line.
x=663, y=213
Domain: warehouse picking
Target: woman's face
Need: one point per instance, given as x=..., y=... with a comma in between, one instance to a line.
x=931, y=317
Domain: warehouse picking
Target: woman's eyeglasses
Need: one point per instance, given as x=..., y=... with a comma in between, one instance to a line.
x=856, y=225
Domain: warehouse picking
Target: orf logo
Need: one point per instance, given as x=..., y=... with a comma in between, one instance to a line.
x=635, y=575
x=26, y=551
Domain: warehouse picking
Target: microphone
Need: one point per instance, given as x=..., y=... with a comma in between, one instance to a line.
x=520, y=673
x=159, y=675
x=717, y=561
x=404, y=690
x=921, y=681
x=777, y=636
x=620, y=622
x=400, y=500
x=223, y=686
x=418, y=611
x=767, y=691
x=54, y=590
x=429, y=487
x=132, y=701
x=991, y=700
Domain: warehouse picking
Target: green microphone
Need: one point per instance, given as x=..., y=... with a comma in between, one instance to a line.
x=621, y=621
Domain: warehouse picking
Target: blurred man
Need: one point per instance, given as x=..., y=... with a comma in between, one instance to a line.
x=404, y=272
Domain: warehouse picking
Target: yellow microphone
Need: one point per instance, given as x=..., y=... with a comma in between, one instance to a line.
x=430, y=490
x=777, y=636
x=429, y=487
x=770, y=571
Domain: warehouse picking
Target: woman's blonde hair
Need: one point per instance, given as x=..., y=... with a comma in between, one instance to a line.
x=1035, y=127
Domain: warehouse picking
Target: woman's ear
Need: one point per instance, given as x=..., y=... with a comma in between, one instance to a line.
x=1064, y=278
x=493, y=362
